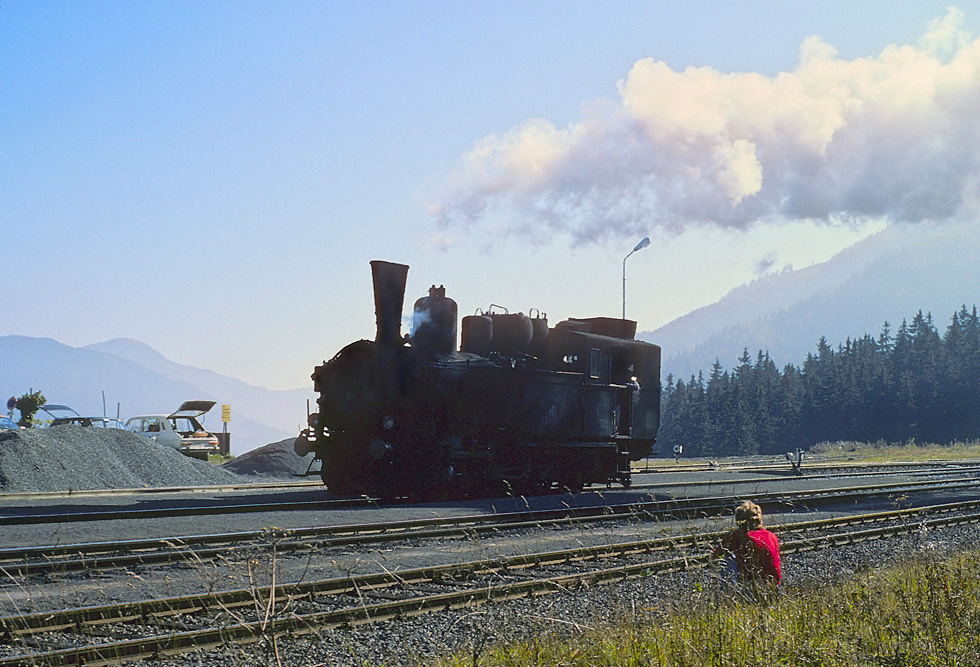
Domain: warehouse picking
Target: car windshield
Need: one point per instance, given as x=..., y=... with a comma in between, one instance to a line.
x=59, y=411
x=143, y=424
x=99, y=422
x=184, y=425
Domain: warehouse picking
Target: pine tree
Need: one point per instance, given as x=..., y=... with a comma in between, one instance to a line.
x=718, y=426
x=915, y=384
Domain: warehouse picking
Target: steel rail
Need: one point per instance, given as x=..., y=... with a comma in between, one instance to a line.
x=100, y=555
x=782, y=465
x=152, y=490
x=242, y=631
x=803, y=478
x=48, y=621
x=163, y=512
x=176, y=549
x=248, y=486
x=68, y=517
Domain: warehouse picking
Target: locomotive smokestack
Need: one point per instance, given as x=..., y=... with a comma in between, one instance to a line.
x=389, y=297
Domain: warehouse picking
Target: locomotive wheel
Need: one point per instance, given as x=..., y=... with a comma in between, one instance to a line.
x=335, y=485
x=339, y=478
x=435, y=494
x=385, y=480
x=528, y=485
x=574, y=483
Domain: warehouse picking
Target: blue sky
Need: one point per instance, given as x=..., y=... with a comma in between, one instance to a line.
x=212, y=178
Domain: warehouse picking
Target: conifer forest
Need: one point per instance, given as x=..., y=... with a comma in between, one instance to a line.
x=912, y=383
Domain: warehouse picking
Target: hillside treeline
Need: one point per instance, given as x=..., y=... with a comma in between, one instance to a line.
x=910, y=384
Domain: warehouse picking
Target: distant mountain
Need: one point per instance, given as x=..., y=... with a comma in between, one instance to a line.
x=136, y=379
x=886, y=277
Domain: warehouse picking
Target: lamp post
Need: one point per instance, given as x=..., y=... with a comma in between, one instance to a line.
x=639, y=246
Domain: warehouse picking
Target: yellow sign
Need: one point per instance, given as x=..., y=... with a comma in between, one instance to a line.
x=225, y=413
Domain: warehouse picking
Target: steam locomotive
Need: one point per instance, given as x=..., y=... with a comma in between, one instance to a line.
x=519, y=408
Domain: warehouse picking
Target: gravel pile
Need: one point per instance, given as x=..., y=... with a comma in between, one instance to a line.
x=277, y=459
x=70, y=458
x=414, y=641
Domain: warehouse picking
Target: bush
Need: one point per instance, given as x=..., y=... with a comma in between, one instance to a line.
x=28, y=405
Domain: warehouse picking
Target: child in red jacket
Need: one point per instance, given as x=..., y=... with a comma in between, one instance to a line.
x=754, y=550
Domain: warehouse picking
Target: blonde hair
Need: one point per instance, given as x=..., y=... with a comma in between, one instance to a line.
x=748, y=515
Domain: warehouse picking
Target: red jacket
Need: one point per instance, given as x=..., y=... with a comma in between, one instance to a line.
x=756, y=554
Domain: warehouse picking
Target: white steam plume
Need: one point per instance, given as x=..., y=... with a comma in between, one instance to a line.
x=894, y=136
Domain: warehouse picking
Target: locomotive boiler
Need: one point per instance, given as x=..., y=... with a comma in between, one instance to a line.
x=519, y=407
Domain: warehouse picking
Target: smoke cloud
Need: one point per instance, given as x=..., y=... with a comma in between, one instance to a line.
x=765, y=264
x=893, y=136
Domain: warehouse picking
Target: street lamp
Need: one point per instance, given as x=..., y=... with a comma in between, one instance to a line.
x=639, y=246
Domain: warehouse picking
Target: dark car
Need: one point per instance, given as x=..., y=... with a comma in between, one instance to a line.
x=56, y=412
x=62, y=415
x=93, y=422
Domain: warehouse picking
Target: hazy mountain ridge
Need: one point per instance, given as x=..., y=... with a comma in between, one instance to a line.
x=886, y=277
x=289, y=405
x=763, y=298
x=138, y=380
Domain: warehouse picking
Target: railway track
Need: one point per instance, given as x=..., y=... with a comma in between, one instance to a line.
x=779, y=465
x=103, y=556
x=108, y=634
x=208, y=509
x=154, y=490
x=920, y=472
x=28, y=515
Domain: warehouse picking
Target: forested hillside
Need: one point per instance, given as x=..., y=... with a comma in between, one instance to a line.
x=901, y=384
x=885, y=277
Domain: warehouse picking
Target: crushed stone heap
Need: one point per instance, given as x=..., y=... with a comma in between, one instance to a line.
x=277, y=459
x=69, y=458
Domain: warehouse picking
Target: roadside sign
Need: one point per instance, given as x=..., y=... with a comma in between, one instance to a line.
x=226, y=413
x=11, y=403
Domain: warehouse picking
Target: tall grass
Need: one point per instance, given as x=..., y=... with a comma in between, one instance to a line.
x=919, y=614
x=900, y=451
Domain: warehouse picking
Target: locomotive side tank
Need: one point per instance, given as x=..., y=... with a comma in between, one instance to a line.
x=520, y=408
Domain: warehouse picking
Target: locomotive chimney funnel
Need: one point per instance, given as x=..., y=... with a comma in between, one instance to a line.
x=389, y=297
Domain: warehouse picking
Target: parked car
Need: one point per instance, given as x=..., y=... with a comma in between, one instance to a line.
x=62, y=415
x=6, y=423
x=180, y=430
x=56, y=412
x=94, y=422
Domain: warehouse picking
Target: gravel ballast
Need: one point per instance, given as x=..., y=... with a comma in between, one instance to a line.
x=277, y=459
x=75, y=458
x=641, y=599
x=72, y=458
